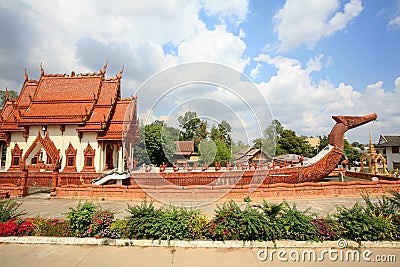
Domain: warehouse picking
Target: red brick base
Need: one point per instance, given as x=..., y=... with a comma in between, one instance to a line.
x=13, y=191
x=273, y=191
x=70, y=186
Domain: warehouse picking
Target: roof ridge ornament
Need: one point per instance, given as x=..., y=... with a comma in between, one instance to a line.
x=104, y=70
x=41, y=69
x=119, y=75
x=26, y=75
x=7, y=97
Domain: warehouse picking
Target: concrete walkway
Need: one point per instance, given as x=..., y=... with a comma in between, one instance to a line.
x=59, y=255
x=41, y=204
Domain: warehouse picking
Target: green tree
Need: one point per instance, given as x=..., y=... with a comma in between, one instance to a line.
x=323, y=142
x=236, y=147
x=223, y=152
x=157, y=143
x=201, y=133
x=221, y=135
x=222, y=132
x=290, y=143
x=270, y=137
x=208, y=151
x=189, y=124
x=351, y=153
x=278, y=141
x=214, y=133
x=11, y=95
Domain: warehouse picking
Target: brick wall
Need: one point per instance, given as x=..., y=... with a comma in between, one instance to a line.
x=273, y=191
x=368, y=176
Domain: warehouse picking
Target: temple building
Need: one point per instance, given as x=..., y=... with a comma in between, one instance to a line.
x=389, y=146
x=67, y=123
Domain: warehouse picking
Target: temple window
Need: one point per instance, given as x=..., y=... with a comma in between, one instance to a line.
x=395, y=149
x=16, y=154
x=70, y=161
x=89, y=161
x=15, y=161
x=70, y=154
x=89, y=153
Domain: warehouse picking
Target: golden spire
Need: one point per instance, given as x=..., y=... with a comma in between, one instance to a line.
x=371, y=149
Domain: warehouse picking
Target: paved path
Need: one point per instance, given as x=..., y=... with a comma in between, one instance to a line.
x=41, y=204
x=58, y=255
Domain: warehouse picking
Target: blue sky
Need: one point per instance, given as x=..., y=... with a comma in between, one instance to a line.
x=308, y=59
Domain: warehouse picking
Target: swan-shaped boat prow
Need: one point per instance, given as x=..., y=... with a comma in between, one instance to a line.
x=313, y=170
x=344, y=123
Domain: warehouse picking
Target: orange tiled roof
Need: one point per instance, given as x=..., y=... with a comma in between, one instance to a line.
x=27, y=91
x=88, y=100
x=115, y=128
x=62, y=100
x=184, y=147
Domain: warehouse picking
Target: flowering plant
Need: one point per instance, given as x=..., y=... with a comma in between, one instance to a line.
x=17, y=227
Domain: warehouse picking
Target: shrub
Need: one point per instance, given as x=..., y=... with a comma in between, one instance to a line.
x=199, y=226
x=271, y=213
x=296, y=225
x=81, y=218
x=253, y=224
x=17, y=227
x=120, y=227
x=327, y=229
x=361, y=224
x=386, y=209
x=226, y=222
x=9, y=210
x=52, y=227
x=174, y=223
x=141, y=219
x=101, y=222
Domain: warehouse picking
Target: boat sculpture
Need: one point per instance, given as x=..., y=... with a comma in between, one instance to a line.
x=312, y=170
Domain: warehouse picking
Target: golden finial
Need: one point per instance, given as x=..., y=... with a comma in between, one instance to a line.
x=41, y=69
x=371, y=149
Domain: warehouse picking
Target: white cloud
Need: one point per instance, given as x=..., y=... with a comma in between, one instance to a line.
x=306, y=22
x=217, y=45
x=300, y=104
x=341, y=19
x=67, y=35
x=394, y=23
x=255, y=71
x=228, y=9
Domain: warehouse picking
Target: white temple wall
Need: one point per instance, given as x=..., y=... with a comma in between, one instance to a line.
x=89, y=138
x=61, y=141
x=16, y=138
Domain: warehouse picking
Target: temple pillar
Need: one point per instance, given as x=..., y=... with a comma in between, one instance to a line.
x=1, y=154
x=54, y=183
x=120, y=160
x=23, y=182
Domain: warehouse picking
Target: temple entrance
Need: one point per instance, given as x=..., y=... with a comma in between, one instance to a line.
x=40, y=161
x=109, y=157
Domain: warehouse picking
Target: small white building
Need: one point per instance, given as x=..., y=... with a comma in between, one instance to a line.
x=389, y=146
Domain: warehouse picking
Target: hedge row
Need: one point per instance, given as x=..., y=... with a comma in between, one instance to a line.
x=231, y=221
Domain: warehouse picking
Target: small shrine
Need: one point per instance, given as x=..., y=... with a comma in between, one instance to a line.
x=373, y=162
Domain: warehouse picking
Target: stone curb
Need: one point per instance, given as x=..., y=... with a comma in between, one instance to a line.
x=194, y=243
